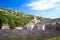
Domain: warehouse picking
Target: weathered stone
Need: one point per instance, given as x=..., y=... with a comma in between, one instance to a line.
x=5, y=26
x=31, y=24
x=18, y=28
x=50, y=25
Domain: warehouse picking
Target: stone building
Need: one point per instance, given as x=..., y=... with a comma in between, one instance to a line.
x=39, y=26
x=50, y=25
x=31, y=24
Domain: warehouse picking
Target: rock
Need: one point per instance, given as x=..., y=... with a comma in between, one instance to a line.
x=18, y=28
x=5, y=26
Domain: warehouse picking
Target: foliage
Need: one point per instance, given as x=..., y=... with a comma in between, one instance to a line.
x=14, y=18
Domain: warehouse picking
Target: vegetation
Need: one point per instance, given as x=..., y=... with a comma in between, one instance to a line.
x=14, y=18
x=35, y=37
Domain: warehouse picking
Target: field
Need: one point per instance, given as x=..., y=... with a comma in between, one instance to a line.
x=12, y=34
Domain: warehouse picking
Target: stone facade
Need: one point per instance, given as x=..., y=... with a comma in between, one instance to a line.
x=50, y=25
x=31, y=24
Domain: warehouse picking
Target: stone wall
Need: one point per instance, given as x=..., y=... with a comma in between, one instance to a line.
x=54, y=26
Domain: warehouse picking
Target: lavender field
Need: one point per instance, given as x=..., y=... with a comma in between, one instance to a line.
x=15, y=34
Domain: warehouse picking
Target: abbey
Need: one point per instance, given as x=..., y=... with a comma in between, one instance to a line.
x=50, y=25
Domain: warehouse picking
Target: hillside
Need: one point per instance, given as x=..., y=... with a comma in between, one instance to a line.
x=15, y=18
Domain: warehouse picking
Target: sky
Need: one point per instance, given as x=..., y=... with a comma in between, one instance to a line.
x=43, y=8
